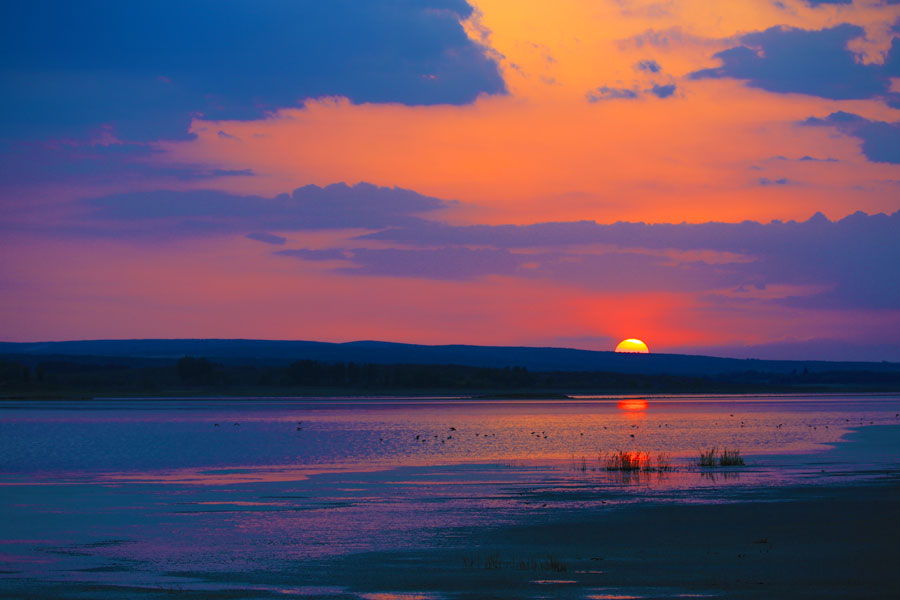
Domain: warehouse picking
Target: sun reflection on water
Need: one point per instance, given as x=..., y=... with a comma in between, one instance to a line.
x=633, y=404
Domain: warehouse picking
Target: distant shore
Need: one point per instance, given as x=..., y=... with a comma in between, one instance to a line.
x=477, y=372
x=486, y=395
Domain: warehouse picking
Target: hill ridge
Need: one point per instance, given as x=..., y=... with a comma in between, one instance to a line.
x=546, y=358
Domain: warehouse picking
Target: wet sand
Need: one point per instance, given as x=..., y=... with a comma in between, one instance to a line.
x=806, y=541
x=835, y=542
x=800, y=542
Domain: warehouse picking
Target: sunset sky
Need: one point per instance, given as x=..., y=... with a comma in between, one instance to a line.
x=710, y=177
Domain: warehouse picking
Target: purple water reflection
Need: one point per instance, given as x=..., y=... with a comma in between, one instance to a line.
x=153, y=493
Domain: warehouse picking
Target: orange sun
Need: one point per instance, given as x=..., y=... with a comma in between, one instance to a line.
x=632, y=345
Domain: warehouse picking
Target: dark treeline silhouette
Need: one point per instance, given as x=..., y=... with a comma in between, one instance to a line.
x=196, y=371
x=30, y=376
x=316, y=373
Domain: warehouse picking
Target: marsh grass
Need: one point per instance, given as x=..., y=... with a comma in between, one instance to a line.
x=663, y=462
x=581, y=464
x=493, y=560
x=708, y=457
x=483, y=561
x=552, y=564
x=625, y=461
x=635, y=461
x=731, y=458
x=728, y=458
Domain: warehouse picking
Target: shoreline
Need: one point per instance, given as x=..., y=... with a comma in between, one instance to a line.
x=438, y=396
x=800, y=542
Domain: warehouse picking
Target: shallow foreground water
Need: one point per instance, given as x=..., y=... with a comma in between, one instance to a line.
x=323, y=497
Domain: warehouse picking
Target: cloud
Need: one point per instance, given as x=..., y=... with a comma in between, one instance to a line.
x=651, y=81
x=842, y=264
x=618, y=93
x=307, y=254
x=812, y=62
x=821, y=2
x=649, y=65
x=634, y=271
x=96, y=161
x=806, y=158
x=663, y=91
x=611, y=93
x=450, y=263
x=267, y=238
x=337, y=206
x=779, y=181
x=667, y=39
x=147, y=67
x=880, y=140
x=232, y=172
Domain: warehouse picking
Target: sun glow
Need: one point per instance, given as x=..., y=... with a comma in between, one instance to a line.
x=633, y=404
x=632, y=345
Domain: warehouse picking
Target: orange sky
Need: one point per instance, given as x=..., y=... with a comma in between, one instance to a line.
x=542, y=152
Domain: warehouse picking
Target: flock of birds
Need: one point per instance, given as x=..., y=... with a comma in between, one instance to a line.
x=443, y=439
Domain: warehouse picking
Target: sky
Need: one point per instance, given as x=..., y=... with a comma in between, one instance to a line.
x=714, y=178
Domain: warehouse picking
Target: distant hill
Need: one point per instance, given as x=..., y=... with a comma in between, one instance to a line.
x=535, y=359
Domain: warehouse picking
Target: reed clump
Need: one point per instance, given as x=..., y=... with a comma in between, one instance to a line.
x=553, y=564
x=708, y=457
x=483, y=561
x=731, y=458
x=625, y=461
x=635, y=461
x=711, y=457
x=493, y=561
x=581, y=465
x=663, y=462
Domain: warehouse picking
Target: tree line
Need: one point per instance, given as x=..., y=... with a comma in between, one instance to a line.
x=92, y=374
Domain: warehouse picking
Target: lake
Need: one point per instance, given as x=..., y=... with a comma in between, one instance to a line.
x=246, y=495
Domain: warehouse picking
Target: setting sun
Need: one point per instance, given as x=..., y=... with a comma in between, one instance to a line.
x=632, y=345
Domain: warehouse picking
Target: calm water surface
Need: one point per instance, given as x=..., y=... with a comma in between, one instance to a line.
x=160, y=493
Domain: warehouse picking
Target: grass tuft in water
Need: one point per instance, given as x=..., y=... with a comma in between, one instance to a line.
x=482, y=561
x=731, y=458
x=625, y=461
x=635, y=461
x=493, y=560
x=708, y=457
x=728, y=458
x=663, y=462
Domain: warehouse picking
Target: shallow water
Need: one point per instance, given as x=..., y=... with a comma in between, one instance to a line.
x=166, y=493
x=71, y=439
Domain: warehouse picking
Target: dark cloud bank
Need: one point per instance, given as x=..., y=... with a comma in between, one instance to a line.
x=816, y=63
x=97, y=162
x=853, y=259
x=819, y=63
x=880, y=141
x=167, y=213
x=147, y=67
x=849, y=263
